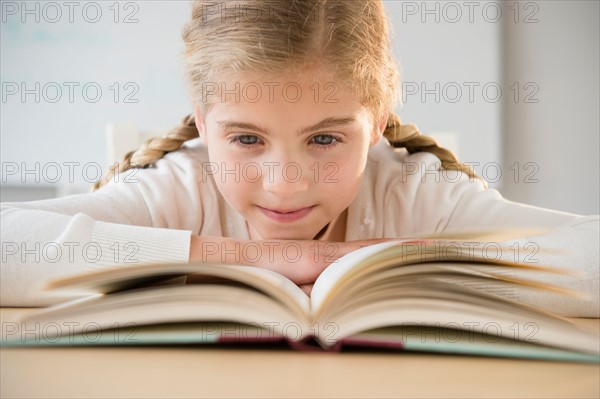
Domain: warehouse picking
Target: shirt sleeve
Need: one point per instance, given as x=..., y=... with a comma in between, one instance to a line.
x=446, y=204
x=147, y=216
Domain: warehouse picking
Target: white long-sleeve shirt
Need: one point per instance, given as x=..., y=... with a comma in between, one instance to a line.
x=149, y=215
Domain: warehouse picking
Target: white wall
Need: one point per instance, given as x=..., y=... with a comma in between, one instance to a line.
x=558, y=135
x=543, y=134
x=453, y=44
x=444, y=53
x=145, y=54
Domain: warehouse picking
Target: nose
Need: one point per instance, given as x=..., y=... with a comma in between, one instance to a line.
x=285, y=179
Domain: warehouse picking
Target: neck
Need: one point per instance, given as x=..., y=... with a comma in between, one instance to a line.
x=322, y=232
x=334, y=230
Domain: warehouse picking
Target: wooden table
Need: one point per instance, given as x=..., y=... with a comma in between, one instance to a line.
x=208, y=372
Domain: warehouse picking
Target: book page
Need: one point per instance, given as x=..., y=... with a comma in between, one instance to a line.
x=361, y=288
x=374, y=258
x=169, y=304
x=272, y=284
x=441, y=312
x=342, y=267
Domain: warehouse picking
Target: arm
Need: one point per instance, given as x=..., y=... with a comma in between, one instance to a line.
x=148, y=219
x=572, y=244
x=310, y=257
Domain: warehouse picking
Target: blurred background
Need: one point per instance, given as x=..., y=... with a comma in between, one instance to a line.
x=511, y=86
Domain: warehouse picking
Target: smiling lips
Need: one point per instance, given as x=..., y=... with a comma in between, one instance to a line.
x=286, y=216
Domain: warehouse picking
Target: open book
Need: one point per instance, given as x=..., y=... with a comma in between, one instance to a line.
x=429, y=295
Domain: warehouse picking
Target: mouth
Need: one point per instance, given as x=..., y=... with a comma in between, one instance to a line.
x=286, y=215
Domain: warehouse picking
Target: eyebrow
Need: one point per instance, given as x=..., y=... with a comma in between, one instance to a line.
x=324, y=124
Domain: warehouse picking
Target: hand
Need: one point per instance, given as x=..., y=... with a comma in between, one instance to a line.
x=302, y=261
x=307, y=288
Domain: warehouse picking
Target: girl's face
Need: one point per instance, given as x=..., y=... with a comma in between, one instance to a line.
x=287, y=154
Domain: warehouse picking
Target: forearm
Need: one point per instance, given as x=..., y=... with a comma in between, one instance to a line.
x=301, y=261
x=38, y=246
x=267, y=254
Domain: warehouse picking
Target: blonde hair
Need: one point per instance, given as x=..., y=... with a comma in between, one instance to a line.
x=279, y=35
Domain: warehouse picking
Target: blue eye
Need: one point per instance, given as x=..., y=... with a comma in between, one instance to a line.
x=244, y=140
x=322, y=141
x=326, y=140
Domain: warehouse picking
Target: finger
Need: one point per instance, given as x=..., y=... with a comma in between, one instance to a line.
x=306, y=288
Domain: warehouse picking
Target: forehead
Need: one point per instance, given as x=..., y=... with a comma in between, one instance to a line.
x=280, y=102
x=293, y=86
x=282, y=116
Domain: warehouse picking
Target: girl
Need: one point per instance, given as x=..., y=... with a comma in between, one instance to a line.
x=293, y=143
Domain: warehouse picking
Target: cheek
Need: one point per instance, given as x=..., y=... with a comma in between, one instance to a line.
x=342, y=177
x=237, y=192
x=230, y=176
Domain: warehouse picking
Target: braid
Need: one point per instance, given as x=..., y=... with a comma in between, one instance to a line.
x=152, y=150
x=409, y=137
